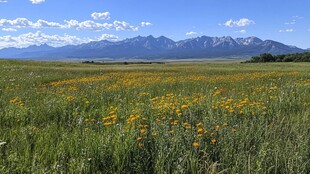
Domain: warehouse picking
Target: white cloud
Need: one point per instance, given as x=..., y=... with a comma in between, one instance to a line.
x=287, y=30
x=145, y=24
x=239, y=23
x=37, y=1
x=241, y=31
x=102, y=16
x=122, y=25
x=45, y=24
x=108, y=37
x=89, y=25
x=3, y=1
x=71, y=24
x=294, y=20
x=190, y=33
x=39, y=38
x=9, y=29
x=297, y=17
x=290, y=23
x=16, y=23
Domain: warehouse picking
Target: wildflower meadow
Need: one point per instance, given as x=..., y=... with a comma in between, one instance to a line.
x=204, y=117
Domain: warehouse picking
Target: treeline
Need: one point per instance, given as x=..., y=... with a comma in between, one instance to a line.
x=296, y=57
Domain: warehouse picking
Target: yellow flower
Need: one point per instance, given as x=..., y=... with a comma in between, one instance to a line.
x=225, y=124
x=188, y=127
x=139, y=138
x=184, y=106
x=199, y=124
x=213, y=140
x=175, y=122
x=199, y=135
x=200, y=130
x=70, y=98
x=143, y=131
x=233, y=129
x=108, y=123
x=141, y=145
x=196, y=144
x=86, y=120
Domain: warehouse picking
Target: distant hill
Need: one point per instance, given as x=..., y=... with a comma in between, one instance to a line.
x=157, y=48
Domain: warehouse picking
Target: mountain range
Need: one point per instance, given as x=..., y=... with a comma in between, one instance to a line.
x=156, y=48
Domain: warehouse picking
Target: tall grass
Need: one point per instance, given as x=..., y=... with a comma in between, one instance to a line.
x=164, y=118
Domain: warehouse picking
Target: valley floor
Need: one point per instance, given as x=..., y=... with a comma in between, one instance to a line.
x=202, y=117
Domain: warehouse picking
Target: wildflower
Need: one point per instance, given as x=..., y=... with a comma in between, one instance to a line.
x=225, y=124
x=86, y=120
x=213, y=140
x=199, y=124
x=70, y=98
x=141, y=145
x=196, y=144
x=233, y=129
x=143, y=131
x=184, y=106
x=108, y=123
x=139, y=138
x=200, y=130
x=175, y=122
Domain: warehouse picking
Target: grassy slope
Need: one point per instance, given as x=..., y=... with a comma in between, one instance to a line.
x=149, y=118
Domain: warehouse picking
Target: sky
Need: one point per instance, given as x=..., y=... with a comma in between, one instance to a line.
x=62, y=22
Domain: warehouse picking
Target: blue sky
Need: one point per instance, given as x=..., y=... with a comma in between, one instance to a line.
x=62, y=22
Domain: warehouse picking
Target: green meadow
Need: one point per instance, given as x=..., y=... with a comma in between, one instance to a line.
x=58, y=117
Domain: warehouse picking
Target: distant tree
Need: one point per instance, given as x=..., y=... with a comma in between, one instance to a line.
x=266, y=57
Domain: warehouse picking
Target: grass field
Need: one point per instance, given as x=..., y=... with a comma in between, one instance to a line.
x=156, y=118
